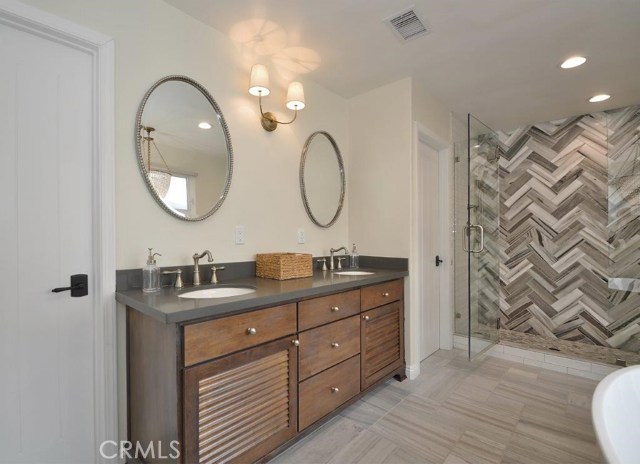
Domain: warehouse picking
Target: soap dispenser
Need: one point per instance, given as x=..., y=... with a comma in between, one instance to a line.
x=354, y=258
x=151, y=274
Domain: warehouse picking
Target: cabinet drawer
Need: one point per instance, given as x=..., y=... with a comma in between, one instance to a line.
x=211, y=339
x=328, y=345
x=323, y=393
x=319, y=311
x=381, y=294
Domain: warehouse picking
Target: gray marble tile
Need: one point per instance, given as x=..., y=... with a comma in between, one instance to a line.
x=497, y=412
x=321, y=446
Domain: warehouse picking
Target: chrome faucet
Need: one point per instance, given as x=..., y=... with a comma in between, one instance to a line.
x=196, y=266
x=335, y=250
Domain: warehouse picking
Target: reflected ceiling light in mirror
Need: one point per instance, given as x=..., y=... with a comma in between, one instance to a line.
x=599, y=98
x=259, y=87
x=204, y=125
x=573, y=62
x=160, y=178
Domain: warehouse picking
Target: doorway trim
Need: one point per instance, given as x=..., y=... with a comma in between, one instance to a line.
x=425, y=135
x=101, y=48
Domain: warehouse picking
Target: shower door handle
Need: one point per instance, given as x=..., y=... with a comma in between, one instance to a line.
x=481, y=239
x=466, y=233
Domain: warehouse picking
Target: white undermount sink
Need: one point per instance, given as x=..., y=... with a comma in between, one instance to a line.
x=217, y=292
x=616, y=415
x=354, y=273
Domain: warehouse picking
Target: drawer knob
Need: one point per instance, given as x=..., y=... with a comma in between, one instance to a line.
x=335, y=345
x=366, y=318
x=295, y=342
x=335, y=389
x=385, y=294
x=251, y=331
x=335, y=309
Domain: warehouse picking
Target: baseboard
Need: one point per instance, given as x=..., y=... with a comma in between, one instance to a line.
x=413, y=371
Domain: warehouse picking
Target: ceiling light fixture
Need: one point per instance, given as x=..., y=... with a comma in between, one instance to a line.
x=599, y=98
x=259, y=87
x=204, y=125
x=573, y=62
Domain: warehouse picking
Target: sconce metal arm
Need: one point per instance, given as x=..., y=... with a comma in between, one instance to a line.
x=269, y=121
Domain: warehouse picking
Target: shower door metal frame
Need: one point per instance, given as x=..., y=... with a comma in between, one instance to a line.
x=468, y=230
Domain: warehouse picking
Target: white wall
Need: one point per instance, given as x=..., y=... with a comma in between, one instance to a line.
x=382, y=162
x=430, y=112
x=153, y=39
x=379, y=170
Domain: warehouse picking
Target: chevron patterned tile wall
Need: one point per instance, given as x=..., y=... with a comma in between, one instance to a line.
x=569, y=227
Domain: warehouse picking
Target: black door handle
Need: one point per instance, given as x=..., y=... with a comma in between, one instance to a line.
x=79, y=286
x=438, y=261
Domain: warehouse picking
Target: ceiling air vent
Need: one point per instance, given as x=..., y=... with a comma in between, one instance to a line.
x=407, y=25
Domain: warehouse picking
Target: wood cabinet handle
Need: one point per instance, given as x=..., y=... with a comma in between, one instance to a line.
x=335, y=308
x=335, y=345
x=385, y=294
x=335, y=389
x=295, y=342
x=251, y=331
x=366, y=318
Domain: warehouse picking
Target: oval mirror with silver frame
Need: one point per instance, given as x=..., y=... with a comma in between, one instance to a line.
x=322, y=179
x=184, y=148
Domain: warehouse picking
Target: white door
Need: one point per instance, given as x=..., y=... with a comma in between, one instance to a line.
x=429, y=191
x=46, y=177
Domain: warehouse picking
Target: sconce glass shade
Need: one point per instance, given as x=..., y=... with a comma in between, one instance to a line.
x=295, y=96
x=259, y=82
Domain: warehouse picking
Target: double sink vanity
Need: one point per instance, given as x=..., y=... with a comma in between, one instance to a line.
x=237, y=372
x=239, y=378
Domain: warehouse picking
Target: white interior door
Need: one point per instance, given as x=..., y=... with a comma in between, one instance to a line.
x=46, y=177
x=429, y=189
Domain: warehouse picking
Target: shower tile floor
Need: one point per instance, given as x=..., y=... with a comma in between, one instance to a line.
x=456, y=412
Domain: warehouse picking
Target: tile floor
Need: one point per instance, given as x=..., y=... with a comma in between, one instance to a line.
x=456, y=412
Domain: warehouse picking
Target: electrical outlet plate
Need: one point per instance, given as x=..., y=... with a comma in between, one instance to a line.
x=239, y=235
x=301, y=236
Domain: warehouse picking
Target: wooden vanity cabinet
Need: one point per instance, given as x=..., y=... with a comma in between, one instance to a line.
x=241, y=388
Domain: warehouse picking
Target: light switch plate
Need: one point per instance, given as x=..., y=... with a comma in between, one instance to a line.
x=239, y=235
x=301, y=236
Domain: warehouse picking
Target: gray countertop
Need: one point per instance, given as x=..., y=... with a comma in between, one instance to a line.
x=165, y=305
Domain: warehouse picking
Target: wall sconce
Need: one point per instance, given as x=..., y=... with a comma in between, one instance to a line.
x=259, y=86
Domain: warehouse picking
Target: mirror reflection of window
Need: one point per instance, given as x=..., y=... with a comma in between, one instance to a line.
x=177, y=196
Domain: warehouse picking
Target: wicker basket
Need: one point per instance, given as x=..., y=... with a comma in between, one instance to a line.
x=283, y=266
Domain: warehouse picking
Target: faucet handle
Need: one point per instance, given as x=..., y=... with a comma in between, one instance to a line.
x=178, y=273
x=324, y=263
x=340, y=259
x=214, y=275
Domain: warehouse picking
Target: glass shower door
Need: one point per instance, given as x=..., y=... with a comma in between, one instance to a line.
x=481, y=236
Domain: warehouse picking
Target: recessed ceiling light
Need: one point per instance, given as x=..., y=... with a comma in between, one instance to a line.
x=573, y=62
x=204, y=125
x=599, y=98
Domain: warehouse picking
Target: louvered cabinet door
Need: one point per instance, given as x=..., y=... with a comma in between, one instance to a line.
x=241, y=407
x=382, y=342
